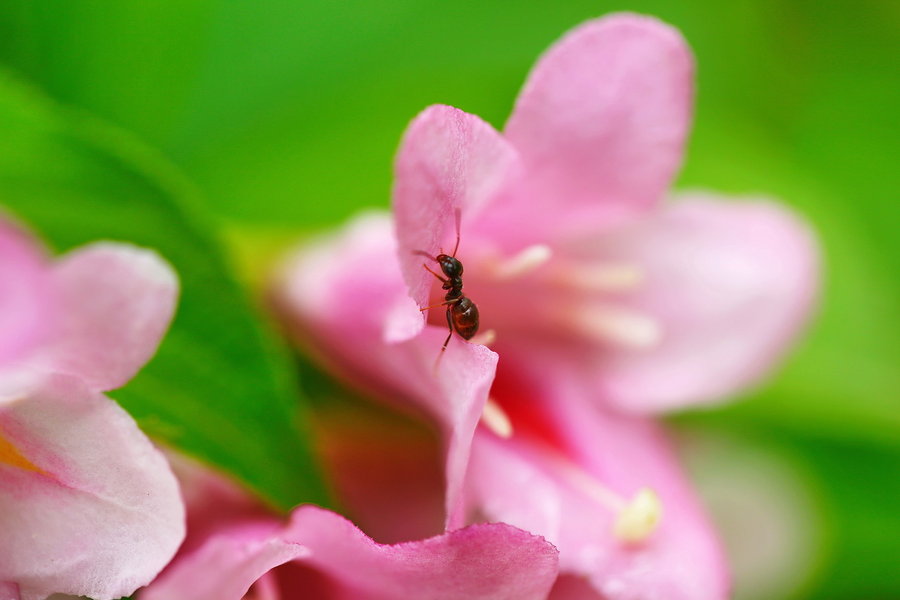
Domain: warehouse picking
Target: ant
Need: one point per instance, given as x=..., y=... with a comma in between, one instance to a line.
x=462, y=314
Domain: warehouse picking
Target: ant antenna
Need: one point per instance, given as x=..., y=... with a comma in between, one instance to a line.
x=458, y=217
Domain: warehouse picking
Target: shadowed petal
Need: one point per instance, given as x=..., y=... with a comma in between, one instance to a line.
x=448, y=161
x=602, y=119
x=9, y=591
x=337, y=294
x=730, y=285
x=116, y=303
x=226, y=566
x=88, y=506
x=494, y=562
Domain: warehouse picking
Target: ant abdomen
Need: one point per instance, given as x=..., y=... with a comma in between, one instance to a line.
x=464, y=315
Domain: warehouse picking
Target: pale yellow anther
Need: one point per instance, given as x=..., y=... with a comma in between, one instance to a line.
x=598, y=277
x=496, y=419
x=638, y=519
x=522, y=263
x=621, y=326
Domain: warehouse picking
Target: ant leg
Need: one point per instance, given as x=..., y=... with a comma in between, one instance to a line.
x=437, y=360
x=449, y=335
x=447, y=303
x=447, y=341
x=435, y=274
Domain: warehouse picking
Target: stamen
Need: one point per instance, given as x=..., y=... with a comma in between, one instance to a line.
x=485, y=338
x=635, y=520
x=522, y=263
x=613, y=324
x=598, y=277
x=496, y=419
x=640, y=518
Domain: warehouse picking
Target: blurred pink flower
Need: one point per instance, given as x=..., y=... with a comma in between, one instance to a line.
x=607, y=303
x=87, y=505
x=235, y=550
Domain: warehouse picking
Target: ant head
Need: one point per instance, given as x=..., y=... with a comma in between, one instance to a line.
x=450, y=266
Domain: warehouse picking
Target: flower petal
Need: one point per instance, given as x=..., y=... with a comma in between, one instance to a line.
x=9, y=591
x=226, y=565
x=493, y=561
x=485, y=561
x=87, y=505
x=448, y=161
x=602, y=119
x=574, y=458
x=730, y=284
x=25, y=295
x=117, y=302
x=337, y=295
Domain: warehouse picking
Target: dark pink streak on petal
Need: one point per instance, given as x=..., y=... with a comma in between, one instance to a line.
x=9, y=591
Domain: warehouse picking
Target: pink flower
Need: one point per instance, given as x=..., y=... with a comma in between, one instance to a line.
x=235, y=551
x=87, y=505
x=561, y=467
x=607, y=303
x=571, y=253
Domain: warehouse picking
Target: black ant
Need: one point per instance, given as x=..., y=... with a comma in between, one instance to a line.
x=462, y=314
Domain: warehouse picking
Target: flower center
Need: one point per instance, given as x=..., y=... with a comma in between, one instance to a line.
x=10, y=455
x=577, y=297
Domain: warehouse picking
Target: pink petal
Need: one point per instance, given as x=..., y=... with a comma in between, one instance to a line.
x=87, y=505
x=602, y=119
x=484, y=561
x=226, y=565
x=554, y=477
x=25, y=294
x=117, y=302
x=448, y=161
x=730, y=284
x=9, y=591
x=337, y=295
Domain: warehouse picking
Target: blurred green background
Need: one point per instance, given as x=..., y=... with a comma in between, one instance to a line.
x=180, y=124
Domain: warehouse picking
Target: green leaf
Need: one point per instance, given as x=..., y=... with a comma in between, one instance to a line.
x=220, y=387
